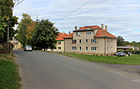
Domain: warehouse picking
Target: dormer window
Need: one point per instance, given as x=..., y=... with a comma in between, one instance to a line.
x=78, y=33
x=88, y=33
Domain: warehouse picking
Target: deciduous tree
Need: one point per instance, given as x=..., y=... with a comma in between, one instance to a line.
x=6, y=15
x=24, y=29
x=45, y=34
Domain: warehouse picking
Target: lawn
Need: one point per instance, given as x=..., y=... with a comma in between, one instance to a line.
x=9, y=77
x=131, y=60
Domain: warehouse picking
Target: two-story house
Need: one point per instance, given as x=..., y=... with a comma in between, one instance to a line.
x=91, y=40
x=60, y=43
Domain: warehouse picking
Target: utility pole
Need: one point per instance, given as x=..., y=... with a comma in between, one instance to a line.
x=16, y=2
x=8, y=37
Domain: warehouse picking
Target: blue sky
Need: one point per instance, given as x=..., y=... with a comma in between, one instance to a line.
x=121, y=16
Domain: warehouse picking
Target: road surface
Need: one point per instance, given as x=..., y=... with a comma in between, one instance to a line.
x=41, y=70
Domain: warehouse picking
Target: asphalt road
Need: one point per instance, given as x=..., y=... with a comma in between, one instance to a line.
x=40, y=70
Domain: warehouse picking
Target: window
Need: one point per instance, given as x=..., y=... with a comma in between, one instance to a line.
x=78, y=33
x=93, y=41
x=80, y=41
x=111, y=41
x=59, y=42
x=86, y=48
x=93, y=48
x=73, y=41
x=59, y=48
x=86, y=40
x=108, y=41
x=80, y=48
x=74, y=48
x=88, y=33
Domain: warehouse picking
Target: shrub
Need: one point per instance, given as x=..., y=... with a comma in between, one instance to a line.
x=135, y=52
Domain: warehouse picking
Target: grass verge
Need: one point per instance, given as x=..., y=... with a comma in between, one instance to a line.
x=9, y=76
x=131, y=60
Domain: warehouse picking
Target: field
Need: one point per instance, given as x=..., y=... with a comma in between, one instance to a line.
x=9, y=77
x=131, y=60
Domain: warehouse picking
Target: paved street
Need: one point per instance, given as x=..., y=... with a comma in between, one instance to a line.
x=40, y=70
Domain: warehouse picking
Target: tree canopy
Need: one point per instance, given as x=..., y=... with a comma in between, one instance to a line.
x=45, y=34
x=6, y=15
x=41, y=34
x=25, y=28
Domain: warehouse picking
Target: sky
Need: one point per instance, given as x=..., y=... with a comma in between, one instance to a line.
x=122, y=17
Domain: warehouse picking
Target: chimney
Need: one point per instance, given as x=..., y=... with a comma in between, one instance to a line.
x=75, y=28
x=69, y=32
x=63, y=33
x=106, y=27
x=102, y=26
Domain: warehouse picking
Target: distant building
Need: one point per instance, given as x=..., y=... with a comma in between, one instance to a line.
x=126, y=48
x=91, y=40
x=16, y=44
x=60, y=43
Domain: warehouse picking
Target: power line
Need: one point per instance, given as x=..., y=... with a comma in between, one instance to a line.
x=18, y=2
x=78, y=8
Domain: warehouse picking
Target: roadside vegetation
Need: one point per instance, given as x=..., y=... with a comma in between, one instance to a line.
x=9, y=77
x=131, y=60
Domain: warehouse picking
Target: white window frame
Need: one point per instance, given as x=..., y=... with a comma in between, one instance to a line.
x=86, y=40
x=58, y=42
x=78, y=33
x=86, y=48
x=94, y=48
x=87, y=33
x=80, y=48
x=93, y=41
x=80, y=40
x=59, y=47
x=73, y=47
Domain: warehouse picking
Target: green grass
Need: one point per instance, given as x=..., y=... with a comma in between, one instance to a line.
x=9, y=77
x=131, y=60
x=2, y=49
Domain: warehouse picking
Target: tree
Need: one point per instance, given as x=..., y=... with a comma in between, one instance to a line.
x=45, y=34
x=30, y=31
x=24, y=29
x=120, y=41
x=6, y=16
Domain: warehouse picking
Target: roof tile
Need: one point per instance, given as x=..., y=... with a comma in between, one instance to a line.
x=104, y=33
x=61, y=36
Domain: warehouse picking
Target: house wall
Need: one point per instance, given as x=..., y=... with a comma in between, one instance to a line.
x=103, y=45
x=68, y=45
x=57, y=47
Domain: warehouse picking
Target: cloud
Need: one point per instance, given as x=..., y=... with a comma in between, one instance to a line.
x=121, y=16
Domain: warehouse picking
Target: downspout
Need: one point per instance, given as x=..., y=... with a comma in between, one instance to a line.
x=64, y=45
x=105, y=47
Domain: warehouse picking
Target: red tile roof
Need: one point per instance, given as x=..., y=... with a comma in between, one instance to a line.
x=91, y=27
x=61, y=36
x=104, y=33
x=69, y=36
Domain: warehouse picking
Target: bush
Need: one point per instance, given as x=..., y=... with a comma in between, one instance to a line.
x=2, y=49
x=135, y=52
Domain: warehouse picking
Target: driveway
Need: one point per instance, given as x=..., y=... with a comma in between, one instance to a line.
x=40, y=70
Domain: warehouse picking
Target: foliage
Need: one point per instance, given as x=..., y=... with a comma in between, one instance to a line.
x=25, y=28
x=6, y=16
x=120, y=41
x=131, y=60
x=136, y=52
x=9, y=78
x=45, y=35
